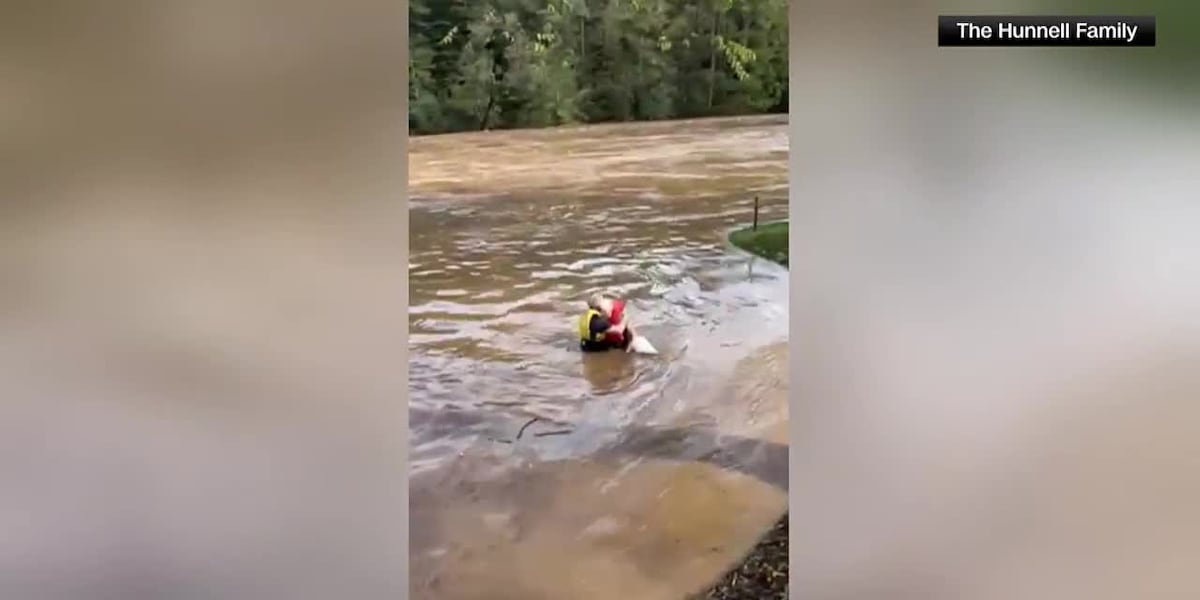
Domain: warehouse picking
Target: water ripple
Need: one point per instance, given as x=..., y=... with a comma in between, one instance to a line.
x=494, y=294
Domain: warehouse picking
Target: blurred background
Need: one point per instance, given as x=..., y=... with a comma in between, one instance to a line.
x=996, y=292
x=201, y=316
x=994, y=278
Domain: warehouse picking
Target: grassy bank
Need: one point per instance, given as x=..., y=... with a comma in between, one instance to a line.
x=769, y=241
x=763, y=574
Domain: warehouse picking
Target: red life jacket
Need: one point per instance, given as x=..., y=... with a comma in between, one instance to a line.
x=618, y=312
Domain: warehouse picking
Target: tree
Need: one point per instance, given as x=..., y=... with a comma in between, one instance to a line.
x=479, y=64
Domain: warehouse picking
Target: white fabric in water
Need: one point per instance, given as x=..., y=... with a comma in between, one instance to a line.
x=641, y=345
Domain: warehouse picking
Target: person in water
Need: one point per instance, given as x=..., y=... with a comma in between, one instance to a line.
x=602, y=326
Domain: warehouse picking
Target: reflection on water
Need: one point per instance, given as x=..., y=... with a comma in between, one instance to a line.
x=514, y=430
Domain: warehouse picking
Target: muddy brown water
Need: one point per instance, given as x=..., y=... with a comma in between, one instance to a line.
x=540, y=472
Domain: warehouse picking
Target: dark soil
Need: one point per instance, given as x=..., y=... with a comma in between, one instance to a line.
x=763, y=575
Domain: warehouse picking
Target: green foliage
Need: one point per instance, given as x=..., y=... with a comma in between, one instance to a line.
x=1166, y=72
x=769, y=241
x=495, y=64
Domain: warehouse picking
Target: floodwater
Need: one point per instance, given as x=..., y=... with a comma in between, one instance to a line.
x=541, y=472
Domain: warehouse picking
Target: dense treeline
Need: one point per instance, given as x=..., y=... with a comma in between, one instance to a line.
x=494, y=64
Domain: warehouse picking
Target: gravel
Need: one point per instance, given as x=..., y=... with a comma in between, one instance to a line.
x=762, y=575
